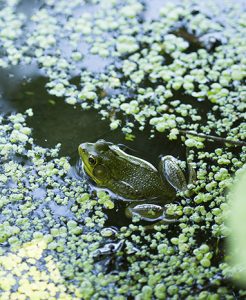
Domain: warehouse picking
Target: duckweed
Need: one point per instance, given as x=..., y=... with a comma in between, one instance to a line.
x=179, y=72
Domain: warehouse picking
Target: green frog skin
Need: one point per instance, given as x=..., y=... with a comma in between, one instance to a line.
x=129, y=177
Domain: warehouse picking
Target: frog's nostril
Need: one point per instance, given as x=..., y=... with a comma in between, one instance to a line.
x=81, y=148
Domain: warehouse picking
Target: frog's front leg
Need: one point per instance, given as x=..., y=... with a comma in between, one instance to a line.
x=109, y=248
x=148, y=212
x=172, y=172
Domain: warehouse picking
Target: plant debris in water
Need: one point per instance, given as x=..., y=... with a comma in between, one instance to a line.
x=183, y=70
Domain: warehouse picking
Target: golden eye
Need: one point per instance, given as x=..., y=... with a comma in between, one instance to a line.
x=92, y=160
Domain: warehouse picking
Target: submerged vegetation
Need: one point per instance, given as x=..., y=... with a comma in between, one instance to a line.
x=178, y=71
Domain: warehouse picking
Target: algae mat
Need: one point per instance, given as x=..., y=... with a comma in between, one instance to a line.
x=136, y=72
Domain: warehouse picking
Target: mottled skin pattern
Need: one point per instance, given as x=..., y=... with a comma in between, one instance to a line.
x=127, y=176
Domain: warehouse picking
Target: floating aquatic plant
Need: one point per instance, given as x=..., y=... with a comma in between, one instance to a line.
x=180, y=72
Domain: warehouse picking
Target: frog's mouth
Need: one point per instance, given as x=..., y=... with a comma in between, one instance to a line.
x=86, y=170
x=84, y=154
x=84, y=158
x=89, y=174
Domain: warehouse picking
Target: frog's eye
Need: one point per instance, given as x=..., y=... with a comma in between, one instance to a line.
x=92, y=160
x=102, y=145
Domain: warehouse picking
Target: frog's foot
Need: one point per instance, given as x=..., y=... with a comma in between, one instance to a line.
x=148, y=212
x=109, y=248
x=173, y=173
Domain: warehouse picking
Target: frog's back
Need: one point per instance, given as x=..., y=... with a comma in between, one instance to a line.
x=127, y=176
x=135, y=179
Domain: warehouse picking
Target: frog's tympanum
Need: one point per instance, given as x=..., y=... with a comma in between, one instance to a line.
x=132, y=178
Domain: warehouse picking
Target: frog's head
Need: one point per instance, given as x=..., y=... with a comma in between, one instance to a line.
x=94, y=158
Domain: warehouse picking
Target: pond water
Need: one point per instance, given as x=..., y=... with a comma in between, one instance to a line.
x=56, y=122
x=80, y=71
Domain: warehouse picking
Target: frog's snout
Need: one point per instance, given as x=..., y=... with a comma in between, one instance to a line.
x=81, y=149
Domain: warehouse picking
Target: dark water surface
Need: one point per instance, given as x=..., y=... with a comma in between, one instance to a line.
x=54, y=121
x=23, y=87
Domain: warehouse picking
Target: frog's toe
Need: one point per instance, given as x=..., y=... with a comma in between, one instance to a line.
x=173, y=173
x=192, y=174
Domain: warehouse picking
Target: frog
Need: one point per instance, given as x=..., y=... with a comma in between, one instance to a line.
x=133, y=179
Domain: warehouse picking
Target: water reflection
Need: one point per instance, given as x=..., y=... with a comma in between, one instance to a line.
x=11, y=80
x=56, y=122
x=27, y=7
